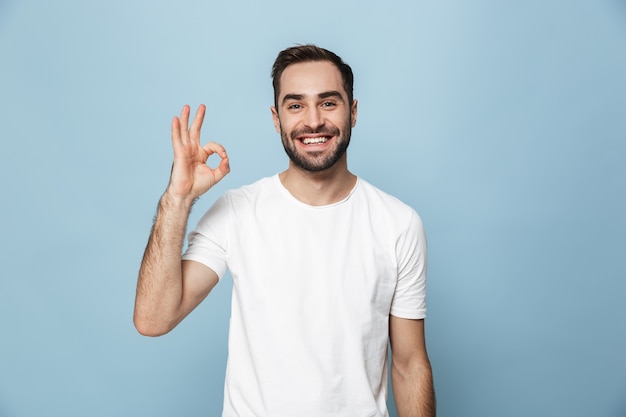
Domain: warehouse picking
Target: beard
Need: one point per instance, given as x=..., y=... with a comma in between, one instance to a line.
x=317, y=161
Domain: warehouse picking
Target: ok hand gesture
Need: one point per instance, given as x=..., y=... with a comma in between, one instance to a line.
x=191, y=176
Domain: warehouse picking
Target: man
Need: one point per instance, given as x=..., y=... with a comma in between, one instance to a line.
x=326, y=268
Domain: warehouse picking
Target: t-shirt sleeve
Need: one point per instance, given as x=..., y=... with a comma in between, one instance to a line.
x=208, y=243
x=409, y=300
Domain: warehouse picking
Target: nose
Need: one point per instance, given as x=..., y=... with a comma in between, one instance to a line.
x=313, y=118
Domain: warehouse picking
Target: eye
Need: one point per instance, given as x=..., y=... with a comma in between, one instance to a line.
x=328, y=104
x=294, y=106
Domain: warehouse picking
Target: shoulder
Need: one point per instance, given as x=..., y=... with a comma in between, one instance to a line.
x=238, y=203
x=257, y=189
x=389, y=212
x=384, y=202
x=251, y=199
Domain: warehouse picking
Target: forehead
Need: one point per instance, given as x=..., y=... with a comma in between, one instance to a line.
x=311, y=78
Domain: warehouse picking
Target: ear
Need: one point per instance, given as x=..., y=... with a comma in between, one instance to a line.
x=275, y=118
x=353, y=112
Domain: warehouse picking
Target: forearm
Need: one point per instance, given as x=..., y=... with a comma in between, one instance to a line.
x=159, y=286
x=413, y=390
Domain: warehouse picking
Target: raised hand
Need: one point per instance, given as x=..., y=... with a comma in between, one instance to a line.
x=191, y=176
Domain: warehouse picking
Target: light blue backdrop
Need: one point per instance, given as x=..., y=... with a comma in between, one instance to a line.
x=502, y=123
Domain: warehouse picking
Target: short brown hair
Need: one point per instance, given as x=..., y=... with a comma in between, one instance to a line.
x=310, y=53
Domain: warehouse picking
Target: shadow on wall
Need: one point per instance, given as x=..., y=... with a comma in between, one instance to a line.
x=620, y=7
x=622, y=410
x=6, y=7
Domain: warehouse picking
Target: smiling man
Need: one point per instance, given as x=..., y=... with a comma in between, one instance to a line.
x=327, y=269
x=320, y=120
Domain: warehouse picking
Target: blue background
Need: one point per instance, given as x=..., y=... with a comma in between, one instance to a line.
x=501, y=122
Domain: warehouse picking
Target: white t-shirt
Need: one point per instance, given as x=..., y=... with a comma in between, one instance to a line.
x=313, y=288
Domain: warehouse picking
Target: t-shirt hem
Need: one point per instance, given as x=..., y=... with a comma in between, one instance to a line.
x=409, y=314
x=220, y=271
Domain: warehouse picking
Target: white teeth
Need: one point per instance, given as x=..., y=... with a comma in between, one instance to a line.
x=308, y=141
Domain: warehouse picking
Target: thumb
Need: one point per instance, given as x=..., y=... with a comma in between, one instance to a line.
x=222, y=169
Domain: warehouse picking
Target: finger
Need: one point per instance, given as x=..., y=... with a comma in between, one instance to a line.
x=175, y=131
x=184, y=124
x=222, y=169
x=214, y=147
x=224, y=166
x=196, y=125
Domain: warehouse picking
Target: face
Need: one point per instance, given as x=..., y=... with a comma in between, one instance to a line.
x=313, y=115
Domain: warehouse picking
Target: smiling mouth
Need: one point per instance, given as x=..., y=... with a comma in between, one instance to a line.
x=315, y=141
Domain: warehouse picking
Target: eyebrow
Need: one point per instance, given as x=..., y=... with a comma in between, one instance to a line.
x=323, y=95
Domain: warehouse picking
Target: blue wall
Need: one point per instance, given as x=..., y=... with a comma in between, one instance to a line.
x=502, y=124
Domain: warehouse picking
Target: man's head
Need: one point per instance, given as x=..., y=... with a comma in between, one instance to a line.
x=310, y=53
x=314, y=110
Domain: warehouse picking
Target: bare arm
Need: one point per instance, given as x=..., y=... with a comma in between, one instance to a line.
x=167, y=288
x=411, y=375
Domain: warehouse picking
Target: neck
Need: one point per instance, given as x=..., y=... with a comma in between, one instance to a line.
x=319, y=188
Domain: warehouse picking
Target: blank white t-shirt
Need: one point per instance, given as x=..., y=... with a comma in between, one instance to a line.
x=313, y=288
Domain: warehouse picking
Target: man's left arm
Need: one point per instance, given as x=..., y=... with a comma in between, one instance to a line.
x=411, y=374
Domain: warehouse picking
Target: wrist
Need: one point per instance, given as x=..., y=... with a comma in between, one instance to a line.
x=174, y=201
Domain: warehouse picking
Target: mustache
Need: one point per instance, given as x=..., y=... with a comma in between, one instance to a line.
x=327, y=131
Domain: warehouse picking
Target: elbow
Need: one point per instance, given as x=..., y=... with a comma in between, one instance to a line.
x=150, y=328
x=411, y=367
